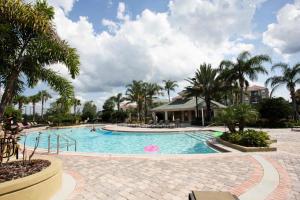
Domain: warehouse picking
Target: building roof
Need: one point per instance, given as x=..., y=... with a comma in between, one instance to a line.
x=255, y=88
x=181, y=104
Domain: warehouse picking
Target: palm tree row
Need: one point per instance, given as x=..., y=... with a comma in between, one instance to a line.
x=143, y=93
x=229, y=82
x=42, y=96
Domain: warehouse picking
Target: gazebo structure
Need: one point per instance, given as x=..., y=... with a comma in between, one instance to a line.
x=184, y=109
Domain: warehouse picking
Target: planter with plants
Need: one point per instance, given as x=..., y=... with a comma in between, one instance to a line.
x=26, y=178
x=243, y=140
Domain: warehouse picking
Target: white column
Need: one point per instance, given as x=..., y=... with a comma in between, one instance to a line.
x=202, y=113
x=166, y=115
x=173, y=117
x=182, y=116
x=190, y=115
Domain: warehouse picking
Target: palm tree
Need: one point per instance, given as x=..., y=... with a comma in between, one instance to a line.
x=34, y=99
x=194, y=91
x=44, y=97
x=20, y=100
x=238, y=114
x=290, y=78
x=170, y=86
x=150, y=91
x=245, y=67
x=76, y=102
x=118, y=99
x=134, y=93
x=64, y=103
x=30, y=43
x=230, y=87
x=206, y=83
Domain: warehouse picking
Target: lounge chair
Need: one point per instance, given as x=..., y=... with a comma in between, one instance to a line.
x=177, y=123
x=205, y=195
x=295, y=128
x=148, y=124
x=160, y=124
x=21, y=127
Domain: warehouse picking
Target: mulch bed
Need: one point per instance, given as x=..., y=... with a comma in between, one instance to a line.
x=16, y=169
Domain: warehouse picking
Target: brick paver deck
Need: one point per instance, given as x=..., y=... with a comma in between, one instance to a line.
x=165, y=178
x=160, y=179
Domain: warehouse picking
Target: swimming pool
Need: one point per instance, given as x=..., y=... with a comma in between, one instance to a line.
x=102, y=141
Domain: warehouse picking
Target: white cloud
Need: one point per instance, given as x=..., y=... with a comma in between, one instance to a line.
x=283, y=36
x=155, y=46
x=65, y=5
x=121, y=12
x=111, y=25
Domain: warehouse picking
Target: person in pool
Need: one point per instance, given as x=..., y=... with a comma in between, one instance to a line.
x=93, y=129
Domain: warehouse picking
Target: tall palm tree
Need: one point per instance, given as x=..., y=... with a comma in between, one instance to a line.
x=170, y=86
x=230, y=87
x=30, y=43
x=290, y=78
x=45, y=96
x=194, y=91
x=76, y=102
x=207, y=84
x=245, y=67
x=64, y=103
x=118, y=99
x=150, y=91
x=34, y=99
x=20, y=100
x=134, y=93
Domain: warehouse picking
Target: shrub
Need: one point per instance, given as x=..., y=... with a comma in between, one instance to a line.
x=248, y=138
x=274, y=110
x=12, y=112
x=63, y=119
x=237, y=115
x=89, y=111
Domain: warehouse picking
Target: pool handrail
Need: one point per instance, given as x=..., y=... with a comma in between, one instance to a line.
x=58, y=146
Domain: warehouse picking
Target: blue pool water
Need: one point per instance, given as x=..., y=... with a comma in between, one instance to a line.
x=103, y=141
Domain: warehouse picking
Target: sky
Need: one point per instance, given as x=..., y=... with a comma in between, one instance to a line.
x=155, y=40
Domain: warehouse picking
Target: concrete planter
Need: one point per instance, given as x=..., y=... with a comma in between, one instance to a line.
x=245, y=149
x=39, y=186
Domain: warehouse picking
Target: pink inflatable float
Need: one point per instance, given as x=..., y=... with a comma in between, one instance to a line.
x=151, y=148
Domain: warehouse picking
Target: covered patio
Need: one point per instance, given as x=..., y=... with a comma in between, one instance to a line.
x=185, y=110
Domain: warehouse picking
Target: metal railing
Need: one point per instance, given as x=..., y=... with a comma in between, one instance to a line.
x=68, y=142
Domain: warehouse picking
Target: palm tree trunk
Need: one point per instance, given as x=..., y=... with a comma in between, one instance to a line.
x=241, y=94
x=145, y=109
x=118, y=105
x=33, y=111
x=75, y=109
x=241, y=82
x=169, y=95
x=42, y=113
x=296, y=114
x=208, y=109
x=196, y=113
x=20, y=106
x=7, y=96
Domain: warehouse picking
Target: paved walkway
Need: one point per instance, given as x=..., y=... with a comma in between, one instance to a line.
x=100, y=177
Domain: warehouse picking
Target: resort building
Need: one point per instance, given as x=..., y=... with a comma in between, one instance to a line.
x=255, y=94
x=184, y=109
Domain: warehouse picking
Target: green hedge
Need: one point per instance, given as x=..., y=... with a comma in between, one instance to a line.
x=248, y=138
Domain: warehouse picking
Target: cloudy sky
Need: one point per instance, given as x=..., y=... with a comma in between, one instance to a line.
x=121, y=41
